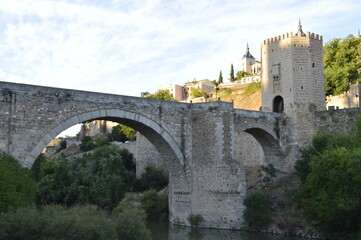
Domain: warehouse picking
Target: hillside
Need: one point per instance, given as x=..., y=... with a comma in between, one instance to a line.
x=244, y=97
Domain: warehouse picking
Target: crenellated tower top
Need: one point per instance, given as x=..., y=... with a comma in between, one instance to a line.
x=291, y=35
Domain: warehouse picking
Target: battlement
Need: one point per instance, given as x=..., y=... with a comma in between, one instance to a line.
x=291, y=35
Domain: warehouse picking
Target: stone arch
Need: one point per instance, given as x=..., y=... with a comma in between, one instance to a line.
x=271, y=145
x=136, y=120
x=180, y=175
x=278, y=104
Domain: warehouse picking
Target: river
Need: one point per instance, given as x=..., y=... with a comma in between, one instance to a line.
x=164, y=231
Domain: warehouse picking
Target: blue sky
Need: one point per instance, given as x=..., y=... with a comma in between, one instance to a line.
x=129, y=46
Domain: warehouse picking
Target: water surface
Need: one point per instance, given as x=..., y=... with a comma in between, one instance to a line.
x=165, y=231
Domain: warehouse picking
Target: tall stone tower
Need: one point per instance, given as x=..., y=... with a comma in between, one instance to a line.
x=293, y=81
x=247, y=61
x=292, y=72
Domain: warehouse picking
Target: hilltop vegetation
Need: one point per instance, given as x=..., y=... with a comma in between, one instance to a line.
x=342, y=60
x=244, y=97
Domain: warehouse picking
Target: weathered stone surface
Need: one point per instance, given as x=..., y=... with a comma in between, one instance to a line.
x=199, y=144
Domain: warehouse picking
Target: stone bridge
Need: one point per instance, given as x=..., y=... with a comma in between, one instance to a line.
x=200, y=142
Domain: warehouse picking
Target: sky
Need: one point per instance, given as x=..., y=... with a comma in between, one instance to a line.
x=131, y=46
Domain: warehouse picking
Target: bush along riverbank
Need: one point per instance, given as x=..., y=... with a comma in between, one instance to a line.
x=320, y=199
x=271, y=206
x=84, y=197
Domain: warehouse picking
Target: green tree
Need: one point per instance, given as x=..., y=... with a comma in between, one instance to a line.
x=241, y=74
x=341, y=64
x=231, y=74
x=220, y=78
x=162, y=95
x=330, y=169
x=99, y=178
x=321, y=142
x=122, y=133
x=331, y=195
x=17, y=188
x=153, y=178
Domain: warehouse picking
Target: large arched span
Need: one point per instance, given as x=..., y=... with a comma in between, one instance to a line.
x=149, y=128
x=180, y=179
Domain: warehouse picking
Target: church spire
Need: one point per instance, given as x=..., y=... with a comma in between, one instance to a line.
x=358, y=35
x=299, y=31
x=247, y=54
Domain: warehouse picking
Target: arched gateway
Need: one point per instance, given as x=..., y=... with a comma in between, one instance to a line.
x=196, y=141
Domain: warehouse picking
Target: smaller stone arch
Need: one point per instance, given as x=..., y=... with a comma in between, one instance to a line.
x=272, y=146
x=278, y=104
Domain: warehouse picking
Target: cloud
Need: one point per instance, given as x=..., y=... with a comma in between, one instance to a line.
x=126, y=47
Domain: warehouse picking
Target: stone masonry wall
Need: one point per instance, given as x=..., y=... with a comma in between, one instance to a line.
x=197, y=142
x=341, y=120
x=146, y=154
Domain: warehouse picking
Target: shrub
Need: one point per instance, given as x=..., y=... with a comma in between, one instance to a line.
x=153, y=178
x=131, y=225
x=87, y=144
x=155, y=205
x=257, y=213
x=87, y=222
x=17, y=187
x=99, y=142
x=195, y=219
x=99, y=178
x=63, y=144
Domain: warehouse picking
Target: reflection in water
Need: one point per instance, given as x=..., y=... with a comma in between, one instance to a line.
x=164, y=231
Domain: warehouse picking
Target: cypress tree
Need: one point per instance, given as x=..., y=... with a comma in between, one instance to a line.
x=220, y=79
x=231, y=78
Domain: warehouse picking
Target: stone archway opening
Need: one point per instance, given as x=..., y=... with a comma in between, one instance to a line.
x=259, y=148
x=272, y=149
x=171, y=155
x=278, y=104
